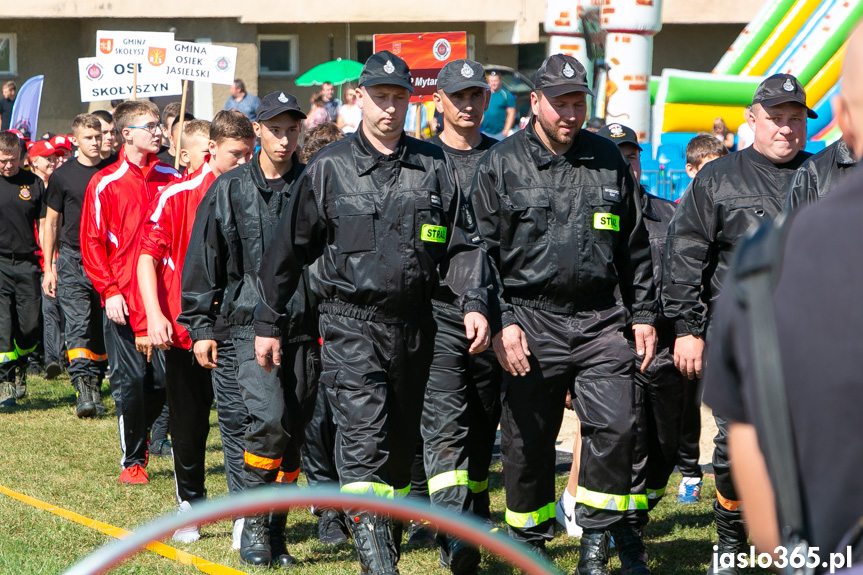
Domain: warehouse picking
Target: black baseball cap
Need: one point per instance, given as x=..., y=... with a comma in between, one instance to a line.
x=779, y=89
x=384, y=67
x=561, y=74
x=277, y=103
x=460, y=74
x=619, y=134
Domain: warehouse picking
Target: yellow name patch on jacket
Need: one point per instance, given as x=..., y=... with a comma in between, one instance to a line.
x=430, y=233
x=606, y=222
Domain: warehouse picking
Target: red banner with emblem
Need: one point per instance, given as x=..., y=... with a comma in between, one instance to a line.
x=425, y=55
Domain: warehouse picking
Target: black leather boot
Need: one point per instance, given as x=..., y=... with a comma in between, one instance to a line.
x=278, y=546
x=459, y=557
x=255, y=541
x=95, y=387
x=630, y=549
x=85, y=407
x=331, y=527
x=593, y=553
x=732, y=540
x=374, y=542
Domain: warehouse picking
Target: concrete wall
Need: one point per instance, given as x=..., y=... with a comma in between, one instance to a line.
x=696, y=47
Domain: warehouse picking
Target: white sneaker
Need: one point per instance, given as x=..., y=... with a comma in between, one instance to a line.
x=190, y=533
x=567, y=519
x=238, y=531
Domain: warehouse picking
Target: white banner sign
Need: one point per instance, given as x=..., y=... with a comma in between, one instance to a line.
x=147, y=48
x=101, y=81
x=202, y=62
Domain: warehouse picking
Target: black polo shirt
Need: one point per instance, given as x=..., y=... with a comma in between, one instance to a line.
x=819, y=311
x=65, y=195
x=20, y=207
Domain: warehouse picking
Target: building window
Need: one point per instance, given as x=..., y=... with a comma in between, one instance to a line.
x=278, y=55
x=8, y=64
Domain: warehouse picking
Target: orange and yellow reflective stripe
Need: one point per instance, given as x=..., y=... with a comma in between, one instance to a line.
x=290, y=477
x=728, y=504
x=261, y=462
x=84, y=353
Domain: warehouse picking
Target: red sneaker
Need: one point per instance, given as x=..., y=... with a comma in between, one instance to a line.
x=134, y=475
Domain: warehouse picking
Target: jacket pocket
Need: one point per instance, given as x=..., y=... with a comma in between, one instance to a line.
x=431, y=233
x=356, y=226
x=528, y=223
x=249, y=230
x=602, y=220
x=686, y=262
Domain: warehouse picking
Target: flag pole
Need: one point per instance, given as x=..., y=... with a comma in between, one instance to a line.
x=181, y=118
x=135, y=81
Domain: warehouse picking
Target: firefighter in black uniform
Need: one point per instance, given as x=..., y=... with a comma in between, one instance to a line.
x=233, y=226
x=819, y=174
x=379, y=209
x=21, y=195
x=728, y=197
x=559, y=211
x=462, y=401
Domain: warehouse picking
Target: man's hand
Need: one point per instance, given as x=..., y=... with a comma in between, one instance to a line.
x=268, y=352
x=49, y=283
x=142, y=344
x=510, y=347
x=206, y=352
x=476, y=329
x=160, y=331
x=689, y=355
x=116, y=309
x=645, y=343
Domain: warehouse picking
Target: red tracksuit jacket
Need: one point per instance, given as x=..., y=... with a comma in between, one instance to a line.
x=115, y=206
x=165, y=236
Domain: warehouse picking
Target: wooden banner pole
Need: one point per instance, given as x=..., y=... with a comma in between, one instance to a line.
x=135, y=81
x=180, y=119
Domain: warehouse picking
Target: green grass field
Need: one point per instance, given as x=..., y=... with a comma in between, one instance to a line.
x=49, y=454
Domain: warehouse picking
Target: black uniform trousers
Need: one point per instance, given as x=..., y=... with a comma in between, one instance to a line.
x=319, y=448
x=375, y=375
x=53, y=326
x=20, y=312
x=659, y=397
x=189, y=394
x=274, y=437
x=138, y=389
x=232, y=413
x=587, y=353
x=460, y=417
x=690, y=432
x=85, y=340
x=726, y=494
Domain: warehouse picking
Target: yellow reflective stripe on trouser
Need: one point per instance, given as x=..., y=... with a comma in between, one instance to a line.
x=84, y=353
x=527, y=520
x=261, y=462
x=8, y=356
x=23, y=352
x=370, y=488
x=610, y=502
x=655, y=493
x=478, y=486
x=448, y=479
x=403, y=492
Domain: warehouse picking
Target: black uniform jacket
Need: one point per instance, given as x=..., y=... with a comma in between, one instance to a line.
x=727, y=197
x=564, y=231
x=381, y=226
x=657, y=215
x=233, y=226
x=818, y=174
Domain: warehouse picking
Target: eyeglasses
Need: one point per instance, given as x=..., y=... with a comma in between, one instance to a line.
x=152, y=128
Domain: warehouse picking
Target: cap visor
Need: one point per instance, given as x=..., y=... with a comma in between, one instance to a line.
x=273, y=113
x=562, y=89
x=389, y=81
x=454, y=87
x=780, y=100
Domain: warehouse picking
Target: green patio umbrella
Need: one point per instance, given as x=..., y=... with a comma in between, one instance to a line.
x=337, y=72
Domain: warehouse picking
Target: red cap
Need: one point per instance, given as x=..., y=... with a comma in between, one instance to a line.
x=43, y=148
x=20, y=135
x=60, y=141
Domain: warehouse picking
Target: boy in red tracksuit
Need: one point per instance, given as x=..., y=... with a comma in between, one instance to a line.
x=209, y=150
x=115, y=206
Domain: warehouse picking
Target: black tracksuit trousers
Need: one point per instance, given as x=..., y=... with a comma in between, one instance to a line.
x=82, y=310
x=20, y=312
x=659, y=397
x=690, y=433
x=233, y=416
x=189, y=393
x=587, y=353
x=375, y=375
x=138, y=389
x=460, y=417
x=274, y=436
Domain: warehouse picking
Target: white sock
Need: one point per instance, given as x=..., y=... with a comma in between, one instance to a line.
x=691, y=480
